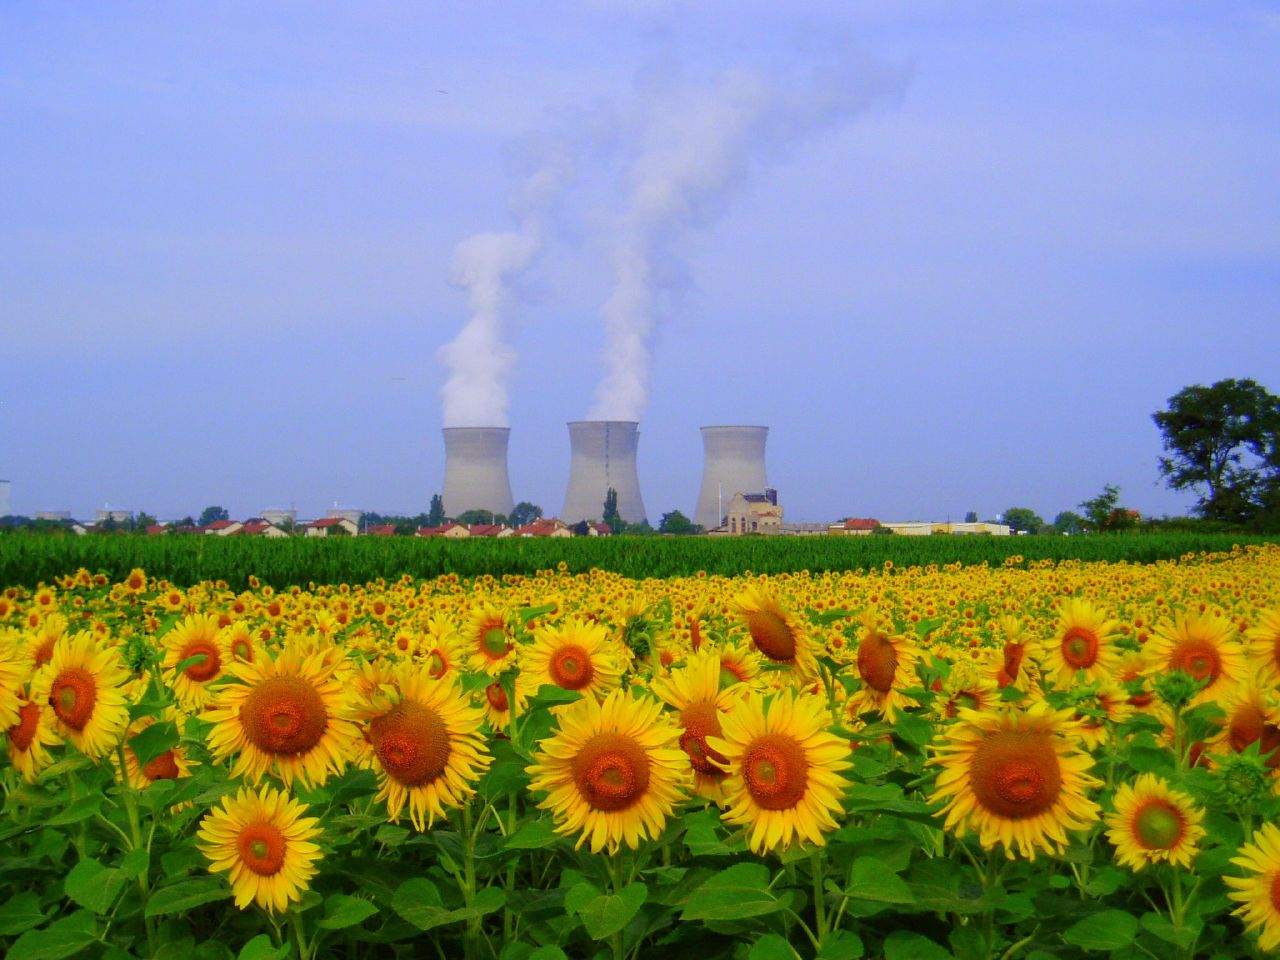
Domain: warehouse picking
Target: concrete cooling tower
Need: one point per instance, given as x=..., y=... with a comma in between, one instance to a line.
x=475, y=470
x=603, y=456
x=733, y=462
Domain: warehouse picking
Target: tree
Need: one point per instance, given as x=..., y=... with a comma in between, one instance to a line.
x=1221, y=440
x=1069, y=523
x=676, y=522
x=143, y=520
x=611, y=517
x=524, y=513
x=1023, y=520
x=468, y=517
x=213, y=515
x=435, y=516
x=971, y=517
x=1103, y=512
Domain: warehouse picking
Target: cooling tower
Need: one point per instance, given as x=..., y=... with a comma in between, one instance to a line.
x=603, y=456
x=733, y=462
x=475, y=470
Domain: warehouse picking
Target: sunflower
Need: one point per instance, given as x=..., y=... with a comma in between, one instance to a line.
x=887, y=666
x=1009, y=670
x=136, y=581
x=265, y=843
x=1016, y=777
x=489, y=639
x=783, y=765
x=1264, y=643
x=1085, y=640
x=1259, y=891
x=441, y=648
x=45, y=637
x=240, y=642
x=197, y=635
x=1203, y=646
x=287, y=716
x=696, y=693
x=966, y=687
x=172, y=764
x=740, y=662
x=1153, y=823
x=30, y=737
x=1252, y=716
x=1100, y=707
x=84, y=684
x=576, y=655
x=15, y=669
x=497, y=705
x=774, y=631
x=612, y=771
x=423, y=739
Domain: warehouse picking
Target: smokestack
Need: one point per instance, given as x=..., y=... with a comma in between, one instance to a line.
x=733, y=462
x=475, y=470
x=603, y=456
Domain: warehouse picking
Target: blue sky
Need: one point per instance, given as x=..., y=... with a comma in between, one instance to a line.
x=227, y=234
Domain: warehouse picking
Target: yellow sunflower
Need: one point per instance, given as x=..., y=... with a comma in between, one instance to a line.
x=1203, y=646
x=612, y=771
x=1015, y=777
x=288, y=716
x=967, y=687
x=740, y=662
x=424, y=741
x=694, y=691
x=1264, y=643
x=15, y=669
x=576, y=655
x=29, y=739
x=1099, y=709
x=1154, y=823
x=84, y=684
x=1259, y=890
x=172, y=764
x=887, y=666
x=441, y=649
x=1252, y=716
x=490, y=641
x=497, y=705
x=783, y=764
x=45, y=637
x=239, y=640
x=1084, y=640
x=197, y=635
x=265, y=843
x=774, y=631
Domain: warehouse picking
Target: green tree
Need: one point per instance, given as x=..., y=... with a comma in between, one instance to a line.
x=468, y=517
x=676, y=522
x=1221, y=441
x=435, y=516
x=523, y=513
x=1104, y=513
x=1068, y=522
x=611, y=515
x=1023, y=520
x=213, y=515
x=143, y=520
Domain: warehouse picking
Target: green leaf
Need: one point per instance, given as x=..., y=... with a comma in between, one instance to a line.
x=533, y=835
x=1160, y=926
x=135, y=863
x=62, y=938
x=186, y=663
x=19, y=913
x=872, y=880
x=741, y=891
x=412, y=901
x=154, y=740
x=904, y=945
x=94, y=886
x=1108, y=930
x=186, y=894
x=916, y=731
x=771, y=947
x=549, y=952
x=76, y=811
x=261, y=948
x=579, y=895
x=840, y=945
x=607, y=914
x=342, y=911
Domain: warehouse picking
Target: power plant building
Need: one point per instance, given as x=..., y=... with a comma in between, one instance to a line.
x=603, y=457
x=733, y=462
x=475, y=470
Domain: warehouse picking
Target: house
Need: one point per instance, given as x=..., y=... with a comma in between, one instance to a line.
x=489, y=530
x=545, y=528
x=381, y=530
x=155, y=530
x=324, y=526
x=753, y=513
x=599, y=530
x=924, y=528
x=454, y=531
x=222, y=528
x=258, y=527
x=854, y=526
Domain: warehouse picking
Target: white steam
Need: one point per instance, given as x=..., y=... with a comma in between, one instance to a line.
x=693, y=147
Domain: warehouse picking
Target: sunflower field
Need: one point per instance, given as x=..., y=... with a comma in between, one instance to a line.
x=1033, y=759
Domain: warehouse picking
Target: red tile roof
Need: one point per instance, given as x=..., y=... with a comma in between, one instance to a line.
x=381, y=530
x=861, y=523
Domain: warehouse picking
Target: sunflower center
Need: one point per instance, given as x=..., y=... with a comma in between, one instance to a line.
x=729, y=676
x=24, y=731
x=163, y=767
x=496, y=696
x=205, y=669
x=611, y=771
x=284, y=715
x=775, y=771
x=1015, y=774
x=435, y=665
x=701, y=720
x=44, y=652
x=493, y=642
x=262, y=848
x=72, y=697
x=1158, y=825
x=877, y=662
x=1249, y=725
x=1196, y=658
x=570, y=667
x=1080, y=648
x=412, y=743
x=241, y=649
x=772, y=635
x=1275, y=892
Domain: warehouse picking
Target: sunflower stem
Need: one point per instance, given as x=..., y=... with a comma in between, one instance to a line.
x=135, y=834
x=615, y=880
x=817, y=867
x=295, y=926
x=469, y=882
